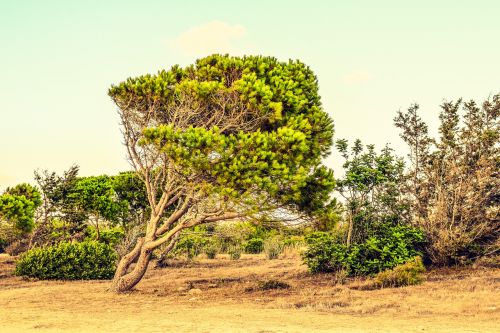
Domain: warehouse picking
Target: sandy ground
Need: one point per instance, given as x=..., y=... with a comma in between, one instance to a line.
x=223, y=299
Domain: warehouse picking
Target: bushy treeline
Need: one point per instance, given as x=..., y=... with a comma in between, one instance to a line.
x=442, y=207
x=233, y=238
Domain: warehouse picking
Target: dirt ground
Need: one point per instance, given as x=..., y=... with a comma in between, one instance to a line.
x=221, y=296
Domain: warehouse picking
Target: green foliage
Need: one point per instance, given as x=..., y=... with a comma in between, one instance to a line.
x=68, y=261
x=211, y=249
x=130, y=192
x=407, y=274
x=111, y=235
x=372, y=188
x=254, y=245
x=275, y=149
x=96, y=196
x=190, y=245
x=17, y=210
x=390, y=247
x=234, y=252
x=273, y=247
x=30, y=192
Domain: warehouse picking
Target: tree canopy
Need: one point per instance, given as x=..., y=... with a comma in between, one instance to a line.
x=226, y=137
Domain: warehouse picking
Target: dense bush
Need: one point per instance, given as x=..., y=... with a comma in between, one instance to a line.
x=69, y=261
x=389, y=247
x=254, y=245
x=406, y=274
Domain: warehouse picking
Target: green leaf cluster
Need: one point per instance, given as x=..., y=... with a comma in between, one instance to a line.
x=280, y=158
x=18, y=205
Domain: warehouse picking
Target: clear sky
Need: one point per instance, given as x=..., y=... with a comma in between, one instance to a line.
x=58, y=59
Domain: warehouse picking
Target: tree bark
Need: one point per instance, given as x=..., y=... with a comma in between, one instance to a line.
x=124, y=281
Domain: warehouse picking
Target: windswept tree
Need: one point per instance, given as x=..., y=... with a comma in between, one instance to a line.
x=224, y=138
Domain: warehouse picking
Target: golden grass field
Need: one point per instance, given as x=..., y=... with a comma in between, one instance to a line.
x=223, y=298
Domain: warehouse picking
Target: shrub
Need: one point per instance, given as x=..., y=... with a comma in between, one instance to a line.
x=272, y=284
x=211, y=249
x=69, y=261
x=190, y=245
x=391, y=246
x=254, y=245
x=406, y=274
x=273, y=248
x=234, y=252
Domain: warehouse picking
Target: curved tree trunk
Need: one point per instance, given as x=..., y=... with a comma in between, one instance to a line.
x=124, y=281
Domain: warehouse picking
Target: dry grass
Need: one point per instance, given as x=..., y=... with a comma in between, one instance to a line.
x=458, y=300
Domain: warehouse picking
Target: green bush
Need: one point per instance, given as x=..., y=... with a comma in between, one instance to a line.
x=273, y=247
x=111, y=236
x=391, y=246
x=69, y=261
x=406, y=274
x=254, y=245
x=190, y=245
x=234, y=252
x=211, y=249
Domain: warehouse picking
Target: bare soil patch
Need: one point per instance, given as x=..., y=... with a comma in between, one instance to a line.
x=222, y=295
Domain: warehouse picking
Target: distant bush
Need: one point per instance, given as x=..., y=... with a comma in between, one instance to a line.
x=69, y=261
x=254, y=245
x=190, y=245
x=294, y=241
x=402, y=275
x=234, y=252
x=273, y=247
x=272, y=284
x=392, y=246
x=211, y=249
x=111, y=236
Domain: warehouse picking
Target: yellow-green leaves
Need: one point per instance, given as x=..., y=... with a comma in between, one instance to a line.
x=273, y=145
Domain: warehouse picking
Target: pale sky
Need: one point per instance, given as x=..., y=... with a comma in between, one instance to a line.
x=58, y=59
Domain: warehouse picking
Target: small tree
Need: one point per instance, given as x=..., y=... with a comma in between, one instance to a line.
x=56, y=206
x=372, y=188
x=17, y=211
x=222, y=139
x=96, y=198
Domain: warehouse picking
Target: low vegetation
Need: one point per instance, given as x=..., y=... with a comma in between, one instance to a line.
x=69, y=261
x=407, y=274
